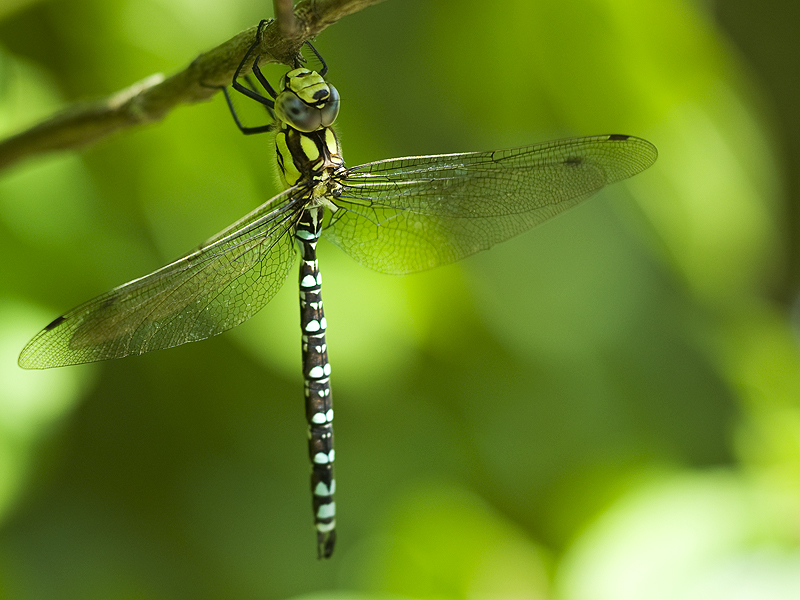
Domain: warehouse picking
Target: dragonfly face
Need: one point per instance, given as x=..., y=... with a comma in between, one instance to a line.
x=306, y=101
x=396, y=216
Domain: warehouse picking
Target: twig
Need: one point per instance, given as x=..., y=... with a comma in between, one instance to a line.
x=284, y=15
x=153, y=98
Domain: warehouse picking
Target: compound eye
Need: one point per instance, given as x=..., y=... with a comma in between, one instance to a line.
x=296, y=113
x=331, y=109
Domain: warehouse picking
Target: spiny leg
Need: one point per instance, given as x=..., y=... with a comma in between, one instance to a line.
x=250, y=90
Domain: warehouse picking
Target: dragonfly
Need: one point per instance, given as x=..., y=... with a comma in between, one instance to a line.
x=396, y=216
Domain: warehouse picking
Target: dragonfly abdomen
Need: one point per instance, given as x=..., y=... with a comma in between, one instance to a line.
x=316, y=373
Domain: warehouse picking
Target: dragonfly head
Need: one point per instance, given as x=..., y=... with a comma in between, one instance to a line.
x=306, y=101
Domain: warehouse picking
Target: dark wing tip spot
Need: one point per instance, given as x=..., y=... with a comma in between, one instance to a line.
x=55, y=323
x=573, y=161
x=618, y=137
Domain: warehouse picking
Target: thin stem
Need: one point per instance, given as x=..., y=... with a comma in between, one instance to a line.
x=284, y=15
x=154, y=97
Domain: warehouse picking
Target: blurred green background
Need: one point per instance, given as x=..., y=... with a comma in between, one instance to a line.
x=603, y=409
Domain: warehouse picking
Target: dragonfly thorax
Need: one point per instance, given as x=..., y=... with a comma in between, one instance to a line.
x=306, y=101
x=307, y=157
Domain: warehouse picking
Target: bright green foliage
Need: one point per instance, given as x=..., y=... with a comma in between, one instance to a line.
x=603, y=408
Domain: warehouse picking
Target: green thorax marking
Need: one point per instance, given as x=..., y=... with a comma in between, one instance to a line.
x=307, y=157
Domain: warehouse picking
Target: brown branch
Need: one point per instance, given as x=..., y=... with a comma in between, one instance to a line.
x=153, y=98
x=284, y=15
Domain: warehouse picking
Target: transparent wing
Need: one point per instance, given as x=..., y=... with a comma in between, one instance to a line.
x=219, y=285
x=410, y=214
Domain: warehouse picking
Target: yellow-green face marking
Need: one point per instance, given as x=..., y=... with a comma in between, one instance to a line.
x=309, y=85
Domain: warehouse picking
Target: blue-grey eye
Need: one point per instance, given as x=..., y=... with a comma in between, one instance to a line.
x=331, y=109
x=296, y=113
